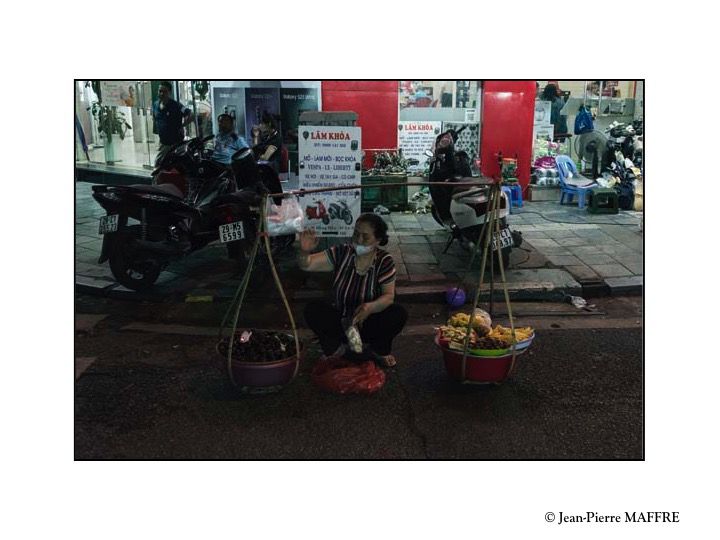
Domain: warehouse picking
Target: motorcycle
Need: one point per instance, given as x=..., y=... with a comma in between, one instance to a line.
x=319, y=212
x=461, y=211
x=149, y=226
x=341, y=211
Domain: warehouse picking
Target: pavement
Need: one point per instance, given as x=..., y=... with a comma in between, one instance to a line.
x=566, y=252
x=152, y=390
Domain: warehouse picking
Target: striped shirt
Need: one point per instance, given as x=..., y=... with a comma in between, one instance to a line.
x=352, y=289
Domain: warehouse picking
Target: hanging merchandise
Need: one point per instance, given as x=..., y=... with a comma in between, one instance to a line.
x=286, y=218
x=583, y=121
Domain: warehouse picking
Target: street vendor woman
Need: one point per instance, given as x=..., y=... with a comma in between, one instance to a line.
x=364, y=292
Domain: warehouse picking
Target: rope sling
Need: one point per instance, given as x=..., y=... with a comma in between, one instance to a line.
x=491, y=220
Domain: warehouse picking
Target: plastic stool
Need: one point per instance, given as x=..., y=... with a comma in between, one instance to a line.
x=514, y=193
x=603, y=201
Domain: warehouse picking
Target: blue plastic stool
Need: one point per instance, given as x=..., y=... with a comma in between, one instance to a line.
x=514, y=193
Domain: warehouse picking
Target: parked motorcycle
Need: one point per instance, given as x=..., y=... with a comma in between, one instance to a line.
x=318, y=211
x=149, y=226
x=461, y=211
x=341, y=211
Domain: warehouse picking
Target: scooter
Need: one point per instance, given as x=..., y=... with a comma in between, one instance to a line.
x=461, y=211
x=149, y=226
x=319, y=212
x=340, y=210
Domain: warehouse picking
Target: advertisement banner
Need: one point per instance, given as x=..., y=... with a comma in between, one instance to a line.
x=414, y=138
x=230, y=101
x=257, y=101
x=330, y=156
x=293, y=101
x=118, y=93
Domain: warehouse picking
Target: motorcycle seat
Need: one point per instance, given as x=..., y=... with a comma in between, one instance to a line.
x=160, y=189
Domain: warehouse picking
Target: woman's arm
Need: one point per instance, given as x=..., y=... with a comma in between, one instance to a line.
x=312, y=262
x=384, y=301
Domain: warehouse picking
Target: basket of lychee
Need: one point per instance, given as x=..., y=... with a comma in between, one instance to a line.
x=490, y=349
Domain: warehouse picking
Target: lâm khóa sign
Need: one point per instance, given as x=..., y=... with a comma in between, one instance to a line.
x=330, y=157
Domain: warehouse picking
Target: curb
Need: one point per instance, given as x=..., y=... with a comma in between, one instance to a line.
x=408, y=292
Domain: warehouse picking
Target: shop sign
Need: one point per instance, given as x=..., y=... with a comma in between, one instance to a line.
x=414, y=138
x=118, y=93
x=330, y=156
x=542, y=113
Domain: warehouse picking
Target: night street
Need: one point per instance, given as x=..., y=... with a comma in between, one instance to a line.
x=148, y=387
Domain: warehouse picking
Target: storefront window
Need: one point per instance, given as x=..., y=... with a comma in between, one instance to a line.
x=118, y=130
x=428, y=108
x=607, y=102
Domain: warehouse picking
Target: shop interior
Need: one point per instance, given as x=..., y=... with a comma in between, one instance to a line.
x=400, y=120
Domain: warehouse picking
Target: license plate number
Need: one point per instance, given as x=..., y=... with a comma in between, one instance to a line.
x=504, y=239
x=108, y=224
x=231, y=232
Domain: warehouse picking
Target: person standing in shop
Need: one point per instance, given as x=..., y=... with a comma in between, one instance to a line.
x=552, y=94
x=227, y=142
x=169, y=119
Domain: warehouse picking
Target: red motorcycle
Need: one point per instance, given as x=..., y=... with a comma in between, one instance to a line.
x=318, y=213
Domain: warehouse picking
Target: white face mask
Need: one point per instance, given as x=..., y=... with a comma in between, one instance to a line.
x=363, y=250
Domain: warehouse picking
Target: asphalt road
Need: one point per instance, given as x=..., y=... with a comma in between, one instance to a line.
x=576, y=394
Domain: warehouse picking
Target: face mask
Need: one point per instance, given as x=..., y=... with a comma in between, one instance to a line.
x=362, y=250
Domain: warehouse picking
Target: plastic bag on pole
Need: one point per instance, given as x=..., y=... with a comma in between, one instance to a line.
x=342, y=376
x=287, y=218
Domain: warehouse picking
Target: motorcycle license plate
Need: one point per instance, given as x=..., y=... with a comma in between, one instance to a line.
x=231, y=232
x=504, y=239
x=108, y=224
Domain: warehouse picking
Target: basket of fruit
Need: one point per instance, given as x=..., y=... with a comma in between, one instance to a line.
x=261, y=359
x=490, y=355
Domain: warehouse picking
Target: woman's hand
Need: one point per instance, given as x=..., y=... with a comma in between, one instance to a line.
x=308, y=240
x=361, y=313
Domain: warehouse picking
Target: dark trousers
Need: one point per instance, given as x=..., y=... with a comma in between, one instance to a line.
x=378, y=330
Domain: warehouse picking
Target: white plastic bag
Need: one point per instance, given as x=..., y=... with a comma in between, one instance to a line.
x=288, y=218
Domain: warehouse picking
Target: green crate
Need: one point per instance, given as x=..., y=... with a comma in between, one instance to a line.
x=603, y=201
x=393, y=198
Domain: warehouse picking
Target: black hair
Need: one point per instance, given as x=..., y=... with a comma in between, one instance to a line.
x=550, y=92
x=220, y=116
x=268, y=119
x=166, y=84
x=378, y=225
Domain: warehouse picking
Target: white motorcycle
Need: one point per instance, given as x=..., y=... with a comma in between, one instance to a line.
x=461, y=210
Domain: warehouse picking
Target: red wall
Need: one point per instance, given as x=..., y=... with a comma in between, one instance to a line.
x=375, y=102
x=507, y=126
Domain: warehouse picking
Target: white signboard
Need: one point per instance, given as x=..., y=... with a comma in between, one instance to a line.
x=542, y=113
x=118, y=93
x=416, y=137
x=330, y=156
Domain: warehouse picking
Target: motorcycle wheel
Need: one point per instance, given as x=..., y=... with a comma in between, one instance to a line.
x=130, y=271
x=472, y=234
x=347, y=216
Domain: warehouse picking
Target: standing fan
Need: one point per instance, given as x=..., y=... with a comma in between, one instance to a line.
x=588, y=148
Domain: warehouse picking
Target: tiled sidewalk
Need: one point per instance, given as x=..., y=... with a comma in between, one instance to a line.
x=557, y=239
x=586, y=245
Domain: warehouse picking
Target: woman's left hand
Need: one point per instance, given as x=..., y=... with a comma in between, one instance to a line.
x=361, y=313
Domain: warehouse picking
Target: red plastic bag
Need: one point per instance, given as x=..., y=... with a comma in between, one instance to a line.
x=345, y=377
